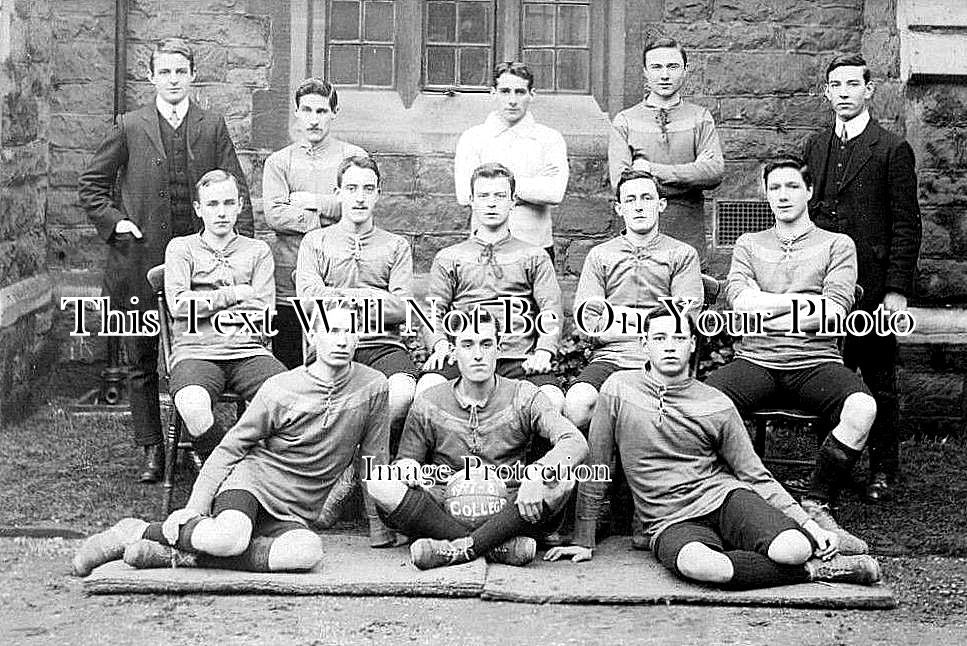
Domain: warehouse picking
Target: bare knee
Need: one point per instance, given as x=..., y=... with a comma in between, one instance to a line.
x=701, y=563
x=790, y=547
x=859, y=411
x=579, y=404
x=555, y=395
x=387, y=493
x=429, y=380
x=227, y=534
x=194, y=404
x=298, y=549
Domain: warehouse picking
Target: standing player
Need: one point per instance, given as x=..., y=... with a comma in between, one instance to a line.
x=629, y=274
x=356, y=260
x=866, y=187
x=493, y=419
x=483, y=272
x=536, y=154
x=795, y=264
x=710, y=509
x=297, y=189
x=223, y=273
x=154, y=155
x=253, y=501
x=673, y=140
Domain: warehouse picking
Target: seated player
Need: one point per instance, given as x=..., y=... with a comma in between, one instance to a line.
x=772, y=270
x=483, y=415
x=486, y=270
x=224, y=274
x=630, y=273
x=356, y=260
x=254, y=499
x=710, y=510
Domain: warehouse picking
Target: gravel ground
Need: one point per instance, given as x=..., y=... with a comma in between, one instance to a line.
x=41, y=604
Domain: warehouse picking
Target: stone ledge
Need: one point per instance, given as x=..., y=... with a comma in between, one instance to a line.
x=936, y=325
x=24, y=297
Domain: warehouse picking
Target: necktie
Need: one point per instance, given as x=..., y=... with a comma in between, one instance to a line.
x=842, y=135
x=174, y=120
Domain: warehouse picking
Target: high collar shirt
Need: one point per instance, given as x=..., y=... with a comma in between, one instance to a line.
x=619, y=273
x=194, y=270
x=296, y=438
x=679, y=142
x=854, y=127
x=442, y=428
x=375, y=267
x=526, y=148
x=818, y=262
x=683, y=449
x=477, y=273
x=300, y=167
x=166, y=109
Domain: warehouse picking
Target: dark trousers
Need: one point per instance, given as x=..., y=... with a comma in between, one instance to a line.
x=684, y=220
x=142, y=354
x=287, y=344
x=875, y=356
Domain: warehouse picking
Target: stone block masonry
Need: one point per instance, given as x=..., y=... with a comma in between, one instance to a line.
x=25, y=287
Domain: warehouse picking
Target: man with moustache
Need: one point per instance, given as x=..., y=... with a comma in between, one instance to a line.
x=154, y=156
x=866, y=187
x=297, y=190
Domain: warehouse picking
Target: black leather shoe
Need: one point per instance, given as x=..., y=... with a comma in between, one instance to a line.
x=880, y=488
x=154, y=464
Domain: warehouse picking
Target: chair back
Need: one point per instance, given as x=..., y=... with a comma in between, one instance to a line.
x=156, y=278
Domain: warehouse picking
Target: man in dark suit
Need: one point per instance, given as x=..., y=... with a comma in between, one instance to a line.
x=866, y=187
x=137, y=192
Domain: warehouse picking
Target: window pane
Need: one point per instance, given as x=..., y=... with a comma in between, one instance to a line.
x=475, y=22
x=440, y=65
x=344, y=21
x=572, y=25
x=441, y=19
x=573, y=70
x=474, y=66
x=378, y=66
x=538, y=24
x=541, y=63
x=378, y=21
x=344, y=64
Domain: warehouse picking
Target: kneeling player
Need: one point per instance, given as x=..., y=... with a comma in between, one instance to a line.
x=710, y=509
x=491, y=418
x=253, y=501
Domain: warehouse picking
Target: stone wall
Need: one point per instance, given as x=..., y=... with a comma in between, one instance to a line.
x=25, y=295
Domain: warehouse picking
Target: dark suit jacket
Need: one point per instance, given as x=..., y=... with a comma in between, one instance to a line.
x=128, y=178
x=877, y=207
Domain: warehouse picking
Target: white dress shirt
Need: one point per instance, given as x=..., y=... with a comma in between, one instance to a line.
x=854, y=127
x=174, y=113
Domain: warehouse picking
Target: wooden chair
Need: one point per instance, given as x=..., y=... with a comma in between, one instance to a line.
x=174, y=427
x=766, y=418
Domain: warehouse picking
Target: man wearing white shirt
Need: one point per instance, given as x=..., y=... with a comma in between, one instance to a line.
x=536, y=154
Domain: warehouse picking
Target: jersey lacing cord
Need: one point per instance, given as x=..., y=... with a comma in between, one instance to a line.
x=474, y=423
x=487, y=256
x=662, y=389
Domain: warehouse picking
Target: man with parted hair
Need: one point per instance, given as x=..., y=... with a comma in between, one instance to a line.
x=796, y=271
x=297, y=190
x=154, y=156
x=254, y=501
x=535, y=154
x=493, y=419
x=216, y=275
x=490, y=269
x=356, y=260
x=626, y=277
x=672, y=139
x=710, y=510
x=866, y=187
